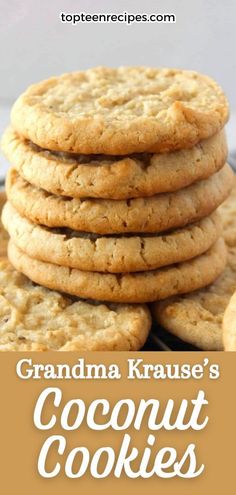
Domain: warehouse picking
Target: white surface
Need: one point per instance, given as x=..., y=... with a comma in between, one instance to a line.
x=35, y=44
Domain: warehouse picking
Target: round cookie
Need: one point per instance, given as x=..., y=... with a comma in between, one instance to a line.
x=129, y=287
x=197, y=318
x=100, y=176
x=36, y=319
x=228, y=214
x=121, y=111
x=3, y=233
x=156, y=214
x=229, y=325
x=92, y=252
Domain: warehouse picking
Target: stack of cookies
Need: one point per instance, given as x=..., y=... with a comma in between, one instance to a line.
x=115, y=181
x=201, y=318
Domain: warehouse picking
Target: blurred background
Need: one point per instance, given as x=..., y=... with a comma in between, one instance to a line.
x=36, y=45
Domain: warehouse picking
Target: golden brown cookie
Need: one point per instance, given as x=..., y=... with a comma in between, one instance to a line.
x=229, y=325
x=3, y=233
x=92, y=252
x=127, y=287
x=101, y=176
x=197, y=318
x=228, y=215
x=156, y=214
x=121, y=111
x=36, y=319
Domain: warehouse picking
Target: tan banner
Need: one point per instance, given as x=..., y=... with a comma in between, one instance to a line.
x=107, y=422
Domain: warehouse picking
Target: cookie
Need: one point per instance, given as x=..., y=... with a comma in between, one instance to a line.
x=121, y=111
x=197, y=318
x=156, y=214
x=129, y=287
x=33, y=318
x=108, y=177
x=228, y=215
x=229, y=325
x=92, y=252
x=3, y=233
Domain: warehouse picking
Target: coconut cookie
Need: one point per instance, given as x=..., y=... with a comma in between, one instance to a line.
x=33, y=318
x=121, y=111
x=92, y=252
x=156, y=214
x=228, y=215
x=229, y=325
x=128, y=287
x=100, y=176
x=3, y=233
x=197, y=317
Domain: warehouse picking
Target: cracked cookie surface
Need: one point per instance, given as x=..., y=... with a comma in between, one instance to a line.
x=197, y=318
x=128, y=287
x=90, y=252
x=121, y=111
x=33, y=318
x=158, y=213
x=101, y=176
